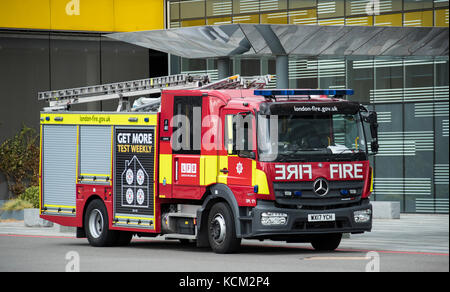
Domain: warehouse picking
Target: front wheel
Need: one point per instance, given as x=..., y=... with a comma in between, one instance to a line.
x=326, y=242
x=221, y=229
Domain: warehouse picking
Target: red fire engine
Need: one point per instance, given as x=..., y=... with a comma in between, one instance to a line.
x=208, y=164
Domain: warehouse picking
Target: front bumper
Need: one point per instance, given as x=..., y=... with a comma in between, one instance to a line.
x=297, y=222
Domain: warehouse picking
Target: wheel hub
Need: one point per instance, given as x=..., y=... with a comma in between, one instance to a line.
x=218, y=228
x=96, y=223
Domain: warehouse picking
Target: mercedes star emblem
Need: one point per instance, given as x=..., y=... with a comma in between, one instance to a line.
x=320, y=187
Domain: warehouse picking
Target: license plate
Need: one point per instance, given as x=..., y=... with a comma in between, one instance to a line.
x=321, y=217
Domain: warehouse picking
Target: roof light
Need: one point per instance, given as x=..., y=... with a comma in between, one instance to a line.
x=286, y=92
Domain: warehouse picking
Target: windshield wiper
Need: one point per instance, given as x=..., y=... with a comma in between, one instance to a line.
x=352, y=151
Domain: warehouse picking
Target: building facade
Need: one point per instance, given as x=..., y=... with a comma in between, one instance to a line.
x=52, y=44
x=409, y=94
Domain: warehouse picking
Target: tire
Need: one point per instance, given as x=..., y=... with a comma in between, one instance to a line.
x=96, y=224
x=326, y=242
x=221, y=229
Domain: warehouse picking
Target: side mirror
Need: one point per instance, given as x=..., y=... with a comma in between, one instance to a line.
x=247, y=154
x=372, y=119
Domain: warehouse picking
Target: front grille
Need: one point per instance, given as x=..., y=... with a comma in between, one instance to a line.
x=310, y=200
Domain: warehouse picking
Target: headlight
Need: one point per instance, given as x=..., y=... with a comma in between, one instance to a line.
x=270, y=218
x=362, y=216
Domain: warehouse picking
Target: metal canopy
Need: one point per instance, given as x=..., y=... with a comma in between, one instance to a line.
x=265, y=39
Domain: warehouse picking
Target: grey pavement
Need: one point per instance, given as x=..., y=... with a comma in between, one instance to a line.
x=411, y=233
x=413, y=243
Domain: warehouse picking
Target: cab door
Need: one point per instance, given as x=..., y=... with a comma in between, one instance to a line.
x=186, y=147
x=240, y=146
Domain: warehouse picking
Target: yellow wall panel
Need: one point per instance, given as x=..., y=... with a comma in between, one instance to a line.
x=420, y=18
x=82, y=15
x=389, y=20
x=34, y=14
x=134, y=15
x=359, y=21
x=441, y=17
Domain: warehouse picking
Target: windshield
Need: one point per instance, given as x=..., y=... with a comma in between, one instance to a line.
x=295, y=137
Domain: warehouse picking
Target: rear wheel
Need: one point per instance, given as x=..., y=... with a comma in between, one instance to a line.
x=221, y=229
x=96, y=225
x=326, y=242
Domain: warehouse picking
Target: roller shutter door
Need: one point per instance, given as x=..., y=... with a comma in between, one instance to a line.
x=95, y=151
x=59, y=165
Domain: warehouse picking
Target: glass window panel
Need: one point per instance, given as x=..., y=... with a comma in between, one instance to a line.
x=421, y=18
x=245, y=6
x=389, y=20
x=417, y=4
x=327, y=8
x=294, y=4
x=441, y=122
x=218, y=20
x=193, y=65
x=24, y=71
x=441, y=76
x=304, y=17
x=331, y=73
x=419, y=73
x=174, y=24
x=440, y=3
x=194, y=22
x=192, y=8
x=357, y=7
x=418, y=129
x=275, y=18
x=219, y=7
x=270, y=5
x=390, y=6
x=334, y=21
x=174, y=10
x=388, y=74
x=441, y=17
x=359, y=21
x=246, y=19
x=389, y=174
x=250, y=67
x=360, y=76
x=303, y=73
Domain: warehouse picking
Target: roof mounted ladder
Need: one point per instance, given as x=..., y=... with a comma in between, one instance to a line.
x=123, y=91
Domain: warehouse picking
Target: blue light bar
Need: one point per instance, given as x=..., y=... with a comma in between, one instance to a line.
x=286, y=92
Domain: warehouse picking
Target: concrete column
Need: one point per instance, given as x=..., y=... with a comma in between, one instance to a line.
x=282, y=67
x=223, y=67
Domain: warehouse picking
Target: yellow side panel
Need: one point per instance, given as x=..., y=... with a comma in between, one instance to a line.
x=111, y=119
x=223, y=163
x=82, y=15
x=208, y=169
x=133, y=15
x=371, y=181
x=259, y=178
x=34, y=14
x=165, y=168
x=40, y=168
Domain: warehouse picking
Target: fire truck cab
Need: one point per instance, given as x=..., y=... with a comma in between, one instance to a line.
x=214, y=167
